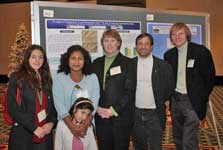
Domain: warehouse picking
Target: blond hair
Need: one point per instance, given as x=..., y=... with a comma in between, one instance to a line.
x=178, y=26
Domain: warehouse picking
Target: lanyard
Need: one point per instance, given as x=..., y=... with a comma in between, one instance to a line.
x=39, y=92
x=40, y=97
x=40, y=104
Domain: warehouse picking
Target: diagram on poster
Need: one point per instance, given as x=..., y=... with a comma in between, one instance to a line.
x=160, y=33
x=62, y=33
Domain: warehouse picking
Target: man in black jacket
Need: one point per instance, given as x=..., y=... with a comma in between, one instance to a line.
x=114, y=114
x=194, y=74
x=155, y=85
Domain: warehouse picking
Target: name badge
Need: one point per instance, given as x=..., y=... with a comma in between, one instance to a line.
x=115, y=70
x=190, y=63
x=41, y=115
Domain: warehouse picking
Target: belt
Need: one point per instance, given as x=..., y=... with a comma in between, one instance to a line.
x=145, y=109
x=179, y=94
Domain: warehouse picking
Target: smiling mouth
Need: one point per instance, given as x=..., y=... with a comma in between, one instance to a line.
x=76, y=66
x=143, y=50
x=36, y=64
x=109, y=47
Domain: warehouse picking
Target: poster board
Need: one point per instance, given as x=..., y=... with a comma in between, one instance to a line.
x=159, y=23
x=56, y=26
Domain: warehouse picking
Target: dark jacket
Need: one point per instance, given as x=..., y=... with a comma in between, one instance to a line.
x=162, y=84
x=118, y=90
x=199, y=78
x=21, y=135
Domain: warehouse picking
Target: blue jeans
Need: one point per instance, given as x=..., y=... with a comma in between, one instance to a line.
x=185, y=123
x=147, y=131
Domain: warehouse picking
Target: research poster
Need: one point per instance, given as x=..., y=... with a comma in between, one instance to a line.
x=160, y=33
x=62, y=33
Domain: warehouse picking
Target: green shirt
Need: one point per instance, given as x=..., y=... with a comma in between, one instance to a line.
x=108, y=62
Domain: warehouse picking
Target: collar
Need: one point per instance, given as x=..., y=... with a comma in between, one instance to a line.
x=111, y=57
x=183, y=48
x=146, y=59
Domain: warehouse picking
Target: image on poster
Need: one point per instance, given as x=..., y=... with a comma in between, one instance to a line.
x=160, y=33
x=62, y=33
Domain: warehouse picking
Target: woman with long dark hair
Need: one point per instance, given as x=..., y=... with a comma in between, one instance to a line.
x=35, y=116
x=73, y=81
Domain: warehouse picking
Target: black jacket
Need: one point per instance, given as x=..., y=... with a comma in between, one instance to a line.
x=162, y=84
x=199, y=78
x=21, y=135
x=118, y=90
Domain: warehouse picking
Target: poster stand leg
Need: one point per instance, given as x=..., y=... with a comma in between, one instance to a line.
x=215, y=125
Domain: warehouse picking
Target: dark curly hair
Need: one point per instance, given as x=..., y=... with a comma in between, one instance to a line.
x=27, y=74
x=64, y=60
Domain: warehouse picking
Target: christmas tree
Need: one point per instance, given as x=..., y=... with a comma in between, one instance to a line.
x=18, y=48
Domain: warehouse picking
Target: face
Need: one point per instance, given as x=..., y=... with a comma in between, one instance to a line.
x=76, y=61
x=36, y=59
x=144, y=47
x=81, y=114
x=110, y=45
x=179, y=37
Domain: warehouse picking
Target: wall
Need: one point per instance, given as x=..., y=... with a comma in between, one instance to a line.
x=12, y=16
x=214, y=8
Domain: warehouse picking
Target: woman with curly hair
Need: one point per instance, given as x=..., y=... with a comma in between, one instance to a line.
x=35, y=116
x=73, y=81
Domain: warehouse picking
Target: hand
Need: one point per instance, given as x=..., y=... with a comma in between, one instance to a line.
x=108, y=113
x=74, y=129
x=48, y=127
x=104, y=112
x=202, y=123
x=101, y=112
x=167, y=104
x=79, y=130
x=39, y=132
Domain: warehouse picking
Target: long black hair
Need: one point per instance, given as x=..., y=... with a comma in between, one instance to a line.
x=28, y=74
x=64, y=60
